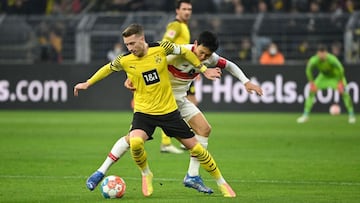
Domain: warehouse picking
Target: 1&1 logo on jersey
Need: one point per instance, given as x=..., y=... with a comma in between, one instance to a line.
x=151, y=77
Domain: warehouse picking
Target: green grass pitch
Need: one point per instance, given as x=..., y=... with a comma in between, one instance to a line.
x=46, y=156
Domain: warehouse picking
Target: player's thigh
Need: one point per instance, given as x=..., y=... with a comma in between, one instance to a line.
x=174, y=126
x=143, y=122
x=187, y=108
x=200, y=125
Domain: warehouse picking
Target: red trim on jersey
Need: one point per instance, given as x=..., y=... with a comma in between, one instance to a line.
x=221, y=63
x=177, y=73
x=113, y=157
x=193, y=48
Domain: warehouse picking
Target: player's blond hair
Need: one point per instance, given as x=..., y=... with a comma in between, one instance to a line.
x=133, y=29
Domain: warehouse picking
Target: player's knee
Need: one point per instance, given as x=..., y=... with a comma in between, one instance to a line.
x=205, y=131
x=136, y=142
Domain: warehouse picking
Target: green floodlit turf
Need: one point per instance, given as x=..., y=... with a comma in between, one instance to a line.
x=47, y=156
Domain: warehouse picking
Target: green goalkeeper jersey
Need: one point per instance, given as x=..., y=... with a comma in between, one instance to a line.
x=330, y=67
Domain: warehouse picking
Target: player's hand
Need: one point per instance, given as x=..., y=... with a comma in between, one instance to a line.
x=250, y=87
x=341, y=87
x=80, y=86
x=313, y=87
x=212, y=73
x=129, y=85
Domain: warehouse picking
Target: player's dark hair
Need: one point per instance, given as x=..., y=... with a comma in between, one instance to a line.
x=209, y=40
x=133, y=29
x=178, y=3
x=322, y=47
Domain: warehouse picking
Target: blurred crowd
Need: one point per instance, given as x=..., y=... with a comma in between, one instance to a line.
x=199, y=6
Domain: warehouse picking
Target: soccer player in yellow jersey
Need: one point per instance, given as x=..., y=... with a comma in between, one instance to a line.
x=178, y=32
x=155, y=105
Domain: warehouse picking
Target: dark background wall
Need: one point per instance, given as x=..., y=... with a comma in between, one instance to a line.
x=45, y=86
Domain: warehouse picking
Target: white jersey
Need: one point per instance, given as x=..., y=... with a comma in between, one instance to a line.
x=182, y=73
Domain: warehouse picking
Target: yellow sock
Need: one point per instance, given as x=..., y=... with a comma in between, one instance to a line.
x=138, y=152
x=165, y=140
x=206, y=161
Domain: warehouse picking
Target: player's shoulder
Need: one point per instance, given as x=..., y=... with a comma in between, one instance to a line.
x=166, y=43
x=173, y=24
x=314, y=59
x=154, y=44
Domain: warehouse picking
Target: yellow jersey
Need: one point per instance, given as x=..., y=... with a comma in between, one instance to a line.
x=149, y=75
x=177, y=32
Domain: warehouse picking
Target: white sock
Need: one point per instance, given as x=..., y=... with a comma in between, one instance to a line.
x=119, y=149
x=194, y=164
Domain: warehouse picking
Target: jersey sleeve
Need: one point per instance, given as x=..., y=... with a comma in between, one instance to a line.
x=102, y=73
x=309, y=69
x=337, y=64
x=172, y=31
x=115, y=65
x=229, y=66
x=171, y=48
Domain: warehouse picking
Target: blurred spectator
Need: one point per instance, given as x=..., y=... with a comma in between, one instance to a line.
x=303, y=50
x=200, y=6
x=349, y=6
x=272, y=56
x=50, y=39
x=336, y=49
x=245, y=49
x=115, y=51
x=56, y=43
x=262, y=7
x=231, y=6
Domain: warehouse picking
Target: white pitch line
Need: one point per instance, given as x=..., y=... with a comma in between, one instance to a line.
x=296, y=182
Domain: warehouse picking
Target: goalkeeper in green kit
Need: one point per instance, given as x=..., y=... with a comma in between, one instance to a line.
x=331, y=75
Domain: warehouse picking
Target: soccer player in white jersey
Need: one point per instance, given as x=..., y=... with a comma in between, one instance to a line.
x=182, y=73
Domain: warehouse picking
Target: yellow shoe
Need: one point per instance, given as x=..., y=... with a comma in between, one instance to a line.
x=226, y=190
x=147, y=187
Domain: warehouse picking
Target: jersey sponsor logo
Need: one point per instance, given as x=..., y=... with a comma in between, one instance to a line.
x=151, y=77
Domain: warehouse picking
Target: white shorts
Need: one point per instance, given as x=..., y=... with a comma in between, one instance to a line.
x=187, y=108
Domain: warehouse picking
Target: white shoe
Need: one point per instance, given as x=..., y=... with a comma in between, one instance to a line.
x=352, y=119
x=302, y=119
x=170, y=149
x=183, y=147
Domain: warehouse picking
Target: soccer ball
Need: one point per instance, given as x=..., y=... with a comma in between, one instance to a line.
x=335, y=109
x=113, y=187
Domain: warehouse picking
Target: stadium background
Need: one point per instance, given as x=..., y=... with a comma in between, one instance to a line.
x=64, y=37
x=50, y=143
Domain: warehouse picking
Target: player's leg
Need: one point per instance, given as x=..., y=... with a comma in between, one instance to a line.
x=348, y=104
x=138, y=153
x=209, y=164
x=166, y=145
x=142, y=128
x=176, y=126
x=119, y=149
x=202, y=130
x=310, y=100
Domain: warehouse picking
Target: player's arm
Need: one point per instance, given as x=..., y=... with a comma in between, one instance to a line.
x=236, y=71
x=102, y=73
x=309, y=74
x=310, y=69
x=171, y=48
x=340, y=72
x=340, y=68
